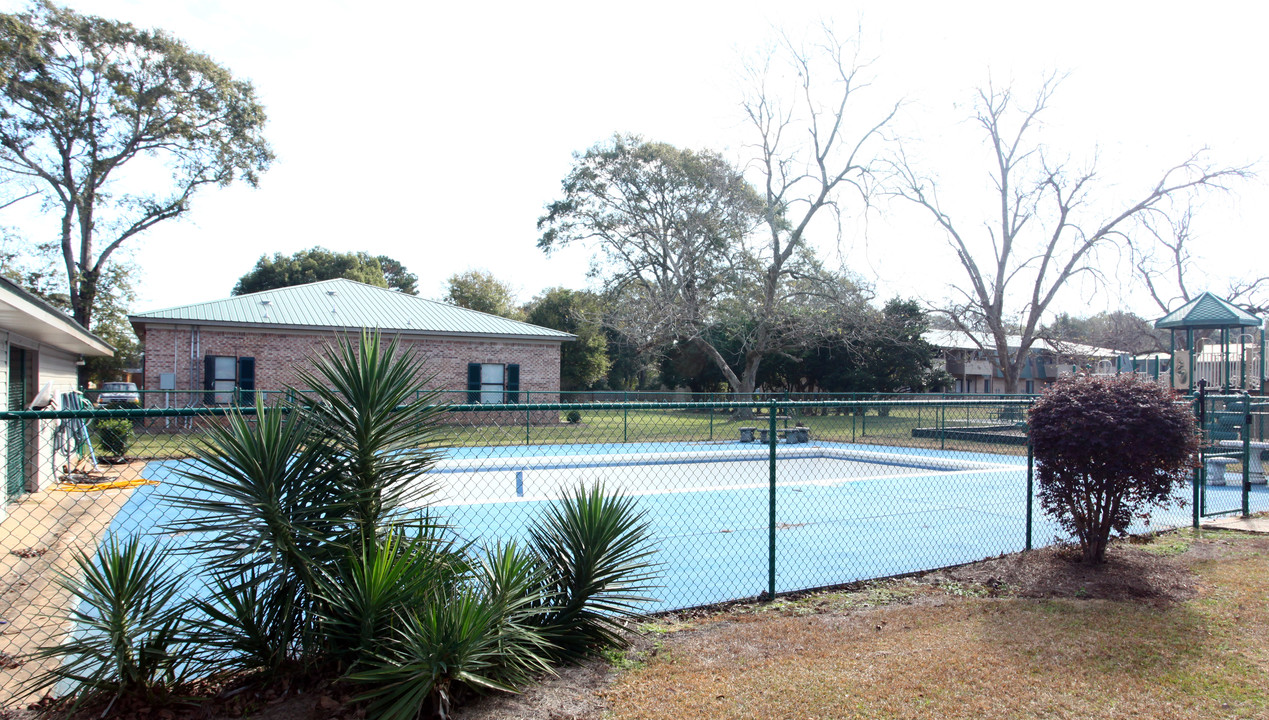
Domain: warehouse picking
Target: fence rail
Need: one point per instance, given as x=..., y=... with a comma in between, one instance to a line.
x=744, y=498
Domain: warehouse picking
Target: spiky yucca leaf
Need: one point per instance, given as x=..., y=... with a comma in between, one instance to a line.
x=459, y=640
x=364, y=598
x=383, y=434
x=254, y=622
x=596, y=550
x=129, y=637
x=259, y=496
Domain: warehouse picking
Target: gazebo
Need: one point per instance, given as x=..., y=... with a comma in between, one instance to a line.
x=1207, y=319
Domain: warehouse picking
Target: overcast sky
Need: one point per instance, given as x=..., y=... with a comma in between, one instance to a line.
x=437, y=132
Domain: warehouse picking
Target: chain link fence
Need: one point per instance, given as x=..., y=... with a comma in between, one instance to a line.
x=748, y=499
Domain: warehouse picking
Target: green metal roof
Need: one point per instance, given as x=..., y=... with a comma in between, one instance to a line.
x=1207, y=311
x=347, y=304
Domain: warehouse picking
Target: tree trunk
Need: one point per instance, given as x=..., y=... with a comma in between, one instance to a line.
x=742, y=385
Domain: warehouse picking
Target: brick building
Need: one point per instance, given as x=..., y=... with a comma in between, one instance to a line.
x=202, y=354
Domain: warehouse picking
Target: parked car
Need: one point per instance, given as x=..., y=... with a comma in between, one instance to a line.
x=119, y=393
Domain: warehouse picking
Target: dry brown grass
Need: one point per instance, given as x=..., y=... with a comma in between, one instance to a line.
x=938, y=648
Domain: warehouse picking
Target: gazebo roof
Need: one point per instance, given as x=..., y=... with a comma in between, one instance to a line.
x=1207, y=311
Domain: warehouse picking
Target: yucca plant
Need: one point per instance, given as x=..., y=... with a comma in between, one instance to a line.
x=130, y=638
x=463, y=640
x=382, y=433
x=364, y=599
x=253, y=621
x=596, y=551
x=294, y=509
x=265, y=522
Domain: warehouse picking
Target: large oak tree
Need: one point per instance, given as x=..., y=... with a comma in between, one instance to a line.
x=318, y=263
x=117, y=128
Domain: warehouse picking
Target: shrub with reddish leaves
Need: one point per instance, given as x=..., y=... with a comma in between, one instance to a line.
x=1108, y=449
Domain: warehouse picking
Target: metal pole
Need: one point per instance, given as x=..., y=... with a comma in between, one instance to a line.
x=1189, y=343
x=943, y=426
x=1030, y=488
x=1247, y=454
x=1197, y=480
x=625, y=417
x=711, y=424
x=1242, y=360
x=526, y=426
x=1171, y=358
x=771, y=510
x=1199, y=477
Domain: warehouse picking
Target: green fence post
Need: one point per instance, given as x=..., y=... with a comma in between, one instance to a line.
x=527, y=414
x=771, y=510
x=863, y=422
x=625, y=416
x=943, y=425
x=852, y=424
x=1197, y=480
x=1247, y=455
x=1030, y=488
x=711, y=424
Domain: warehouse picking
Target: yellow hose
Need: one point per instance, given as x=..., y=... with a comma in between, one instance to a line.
x=113, y=485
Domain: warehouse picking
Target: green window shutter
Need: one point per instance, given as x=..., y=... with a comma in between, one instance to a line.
x=209, y=373
x=473, y=382
x=513, y=383
x=247, y=380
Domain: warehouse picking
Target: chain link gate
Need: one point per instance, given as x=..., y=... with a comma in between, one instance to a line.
x=1228, y=465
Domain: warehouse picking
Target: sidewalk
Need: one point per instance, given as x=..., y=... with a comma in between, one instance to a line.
x=1253, y=524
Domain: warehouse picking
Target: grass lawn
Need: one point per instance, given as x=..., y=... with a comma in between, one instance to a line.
x=1174, y=628
x=640, y=426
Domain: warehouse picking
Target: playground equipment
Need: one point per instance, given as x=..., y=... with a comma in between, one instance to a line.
x=1212, y=327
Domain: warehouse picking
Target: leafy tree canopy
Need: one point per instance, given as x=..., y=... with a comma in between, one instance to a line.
x=480, y=290
x=318, y=263
x=90, y=107
x=584, y=362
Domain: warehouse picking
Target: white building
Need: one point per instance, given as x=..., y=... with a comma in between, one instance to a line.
x=970, y=359
x=39, y=345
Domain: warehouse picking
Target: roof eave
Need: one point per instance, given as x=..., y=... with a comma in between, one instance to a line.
x=141, y=320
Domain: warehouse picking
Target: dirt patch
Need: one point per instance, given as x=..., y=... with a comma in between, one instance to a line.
x=574, y=694
x=1131, y=572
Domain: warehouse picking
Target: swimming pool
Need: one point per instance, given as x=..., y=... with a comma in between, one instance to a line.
x=843, y=512
x=659, y=470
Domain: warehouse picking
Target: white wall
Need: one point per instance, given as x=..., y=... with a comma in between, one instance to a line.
x=57, y=367
x=49, y=365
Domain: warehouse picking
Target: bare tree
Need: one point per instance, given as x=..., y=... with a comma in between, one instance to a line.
x=1164, y=264
x=808, y=149
x=1048, y=230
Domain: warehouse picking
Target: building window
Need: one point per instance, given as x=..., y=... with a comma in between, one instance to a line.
x=493, y=383
x=1031, y=387
x=987, y=385
x=222, y=374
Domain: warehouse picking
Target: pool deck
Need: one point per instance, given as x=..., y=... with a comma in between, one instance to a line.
x=1255, y=524
x=38, y=539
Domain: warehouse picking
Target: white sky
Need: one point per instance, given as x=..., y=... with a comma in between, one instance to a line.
x=437, y=132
